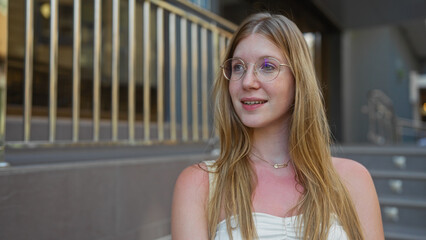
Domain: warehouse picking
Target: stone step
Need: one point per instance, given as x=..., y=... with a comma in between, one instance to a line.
x=403, y=201
x=392, y=163
x=410, y=158
x=395, y=187
x=403, y=211
x=401, y=232
x=399, y=174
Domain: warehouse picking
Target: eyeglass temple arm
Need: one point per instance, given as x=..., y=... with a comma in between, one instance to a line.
x=283, y=64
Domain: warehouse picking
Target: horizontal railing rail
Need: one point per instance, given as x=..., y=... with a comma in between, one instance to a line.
x=180, y=46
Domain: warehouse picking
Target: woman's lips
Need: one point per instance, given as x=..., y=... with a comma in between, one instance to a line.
x=252, y=104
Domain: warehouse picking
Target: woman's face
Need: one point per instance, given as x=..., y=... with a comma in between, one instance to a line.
x=261, y=104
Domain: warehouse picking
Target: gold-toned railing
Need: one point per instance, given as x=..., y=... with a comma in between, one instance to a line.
x=208, y=36
x=3, y=75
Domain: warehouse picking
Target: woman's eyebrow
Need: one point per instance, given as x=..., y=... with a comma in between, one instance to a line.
x=269, y=56
x=261, y=57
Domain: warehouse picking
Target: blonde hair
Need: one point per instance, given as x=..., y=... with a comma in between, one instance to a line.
x=324, y=194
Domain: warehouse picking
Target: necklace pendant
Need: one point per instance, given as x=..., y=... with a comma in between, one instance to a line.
x=280, y=165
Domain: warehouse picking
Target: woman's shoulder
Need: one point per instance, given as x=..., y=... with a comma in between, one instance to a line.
x=193, y=179
x=189, y=202
x=354, y=175
x=361, y=188
x=349, y=169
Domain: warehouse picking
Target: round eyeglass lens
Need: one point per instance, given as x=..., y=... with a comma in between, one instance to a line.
x=267, y=69
x=233, y=69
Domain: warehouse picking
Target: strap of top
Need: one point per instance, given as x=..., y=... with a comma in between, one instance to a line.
x=212, y=182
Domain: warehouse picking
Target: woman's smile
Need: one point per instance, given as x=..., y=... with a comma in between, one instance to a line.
x=250, y=103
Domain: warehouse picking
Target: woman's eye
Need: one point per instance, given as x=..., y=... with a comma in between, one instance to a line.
x=268, y=67
x=237, y=68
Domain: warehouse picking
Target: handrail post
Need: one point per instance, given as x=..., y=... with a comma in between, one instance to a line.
x=3, y=78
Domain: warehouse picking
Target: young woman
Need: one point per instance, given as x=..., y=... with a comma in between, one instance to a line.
x=275, y=177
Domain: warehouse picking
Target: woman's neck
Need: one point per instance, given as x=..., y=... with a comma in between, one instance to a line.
x=271, y=144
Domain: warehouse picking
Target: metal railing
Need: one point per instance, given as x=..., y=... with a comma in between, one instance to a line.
x=382, y=120
x=208, y=36
x=385, y=126
x=3, y=75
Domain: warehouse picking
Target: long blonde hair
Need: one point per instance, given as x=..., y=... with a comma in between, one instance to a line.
x=324, y=195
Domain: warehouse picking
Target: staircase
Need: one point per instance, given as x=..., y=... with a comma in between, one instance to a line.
x=399, y=174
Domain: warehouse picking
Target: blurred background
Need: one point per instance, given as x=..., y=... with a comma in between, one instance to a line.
x=103, y=103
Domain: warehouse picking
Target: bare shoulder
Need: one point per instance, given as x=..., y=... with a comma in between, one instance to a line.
x=361, y=188
x=193, y=178
x=356, y=178
x=192, y=186
x=189, y=203
x=351, y=171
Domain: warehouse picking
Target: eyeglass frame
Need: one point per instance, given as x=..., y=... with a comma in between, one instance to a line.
x=254, y=70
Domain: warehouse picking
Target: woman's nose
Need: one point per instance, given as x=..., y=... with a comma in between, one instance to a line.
x=250, y=79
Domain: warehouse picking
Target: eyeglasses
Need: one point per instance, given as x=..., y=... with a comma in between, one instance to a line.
x=266, y=69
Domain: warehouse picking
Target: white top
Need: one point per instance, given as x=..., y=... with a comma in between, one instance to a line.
x=270, y=227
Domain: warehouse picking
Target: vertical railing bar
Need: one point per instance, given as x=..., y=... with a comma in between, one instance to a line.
x=221, y=47
x=3, y=81
x=194, y=78
x=29, y=61
x=204, y=87
x=53, y=69
x=97, y=69
x=160, y=73
x=115, y=68
x=76, y=70
x=184, y=77
x=131, y=69
x=146, y=65
x=172, y=71
x=216, y=60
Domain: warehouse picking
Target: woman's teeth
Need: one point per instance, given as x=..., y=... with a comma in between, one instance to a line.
x=253, y=102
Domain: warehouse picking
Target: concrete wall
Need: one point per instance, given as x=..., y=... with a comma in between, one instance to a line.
x=373, y=58
x=109, y=200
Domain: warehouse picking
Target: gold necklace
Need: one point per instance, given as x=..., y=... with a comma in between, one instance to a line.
x=276, y=165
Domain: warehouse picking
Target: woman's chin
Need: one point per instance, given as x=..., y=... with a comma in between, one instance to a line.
x=254, y=124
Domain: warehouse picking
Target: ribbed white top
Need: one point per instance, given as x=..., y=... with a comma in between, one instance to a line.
x=269, y=227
